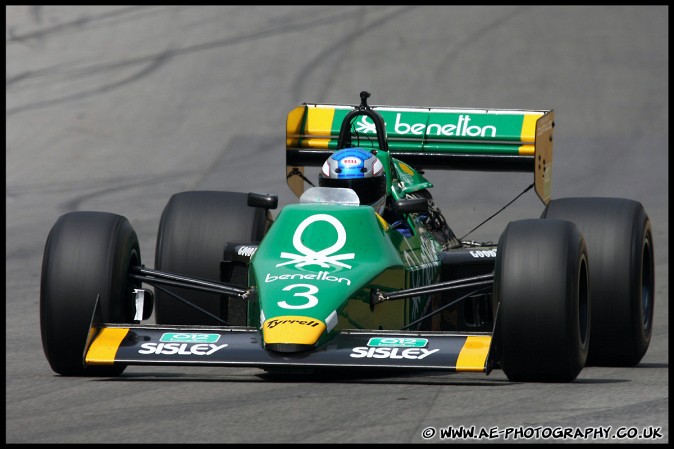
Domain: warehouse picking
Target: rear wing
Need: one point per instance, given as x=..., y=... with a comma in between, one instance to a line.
x=508, y=140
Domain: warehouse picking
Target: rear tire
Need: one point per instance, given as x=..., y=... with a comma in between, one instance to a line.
x=87, y=254
x=193, y=231
x=540, y=282
x=622, y=279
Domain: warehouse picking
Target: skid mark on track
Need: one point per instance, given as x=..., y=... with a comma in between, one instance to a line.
x=331, y=56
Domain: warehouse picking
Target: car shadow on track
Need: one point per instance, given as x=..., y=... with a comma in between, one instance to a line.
x=337, y=376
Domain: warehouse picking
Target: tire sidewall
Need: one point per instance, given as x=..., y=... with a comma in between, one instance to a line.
x=87, y=256
x=620, y=247
x=194, y=228
x=542, y=328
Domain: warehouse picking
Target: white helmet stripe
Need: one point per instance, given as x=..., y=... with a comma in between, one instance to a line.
x=377, y=167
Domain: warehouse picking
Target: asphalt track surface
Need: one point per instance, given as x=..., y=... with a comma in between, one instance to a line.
x=115, y=108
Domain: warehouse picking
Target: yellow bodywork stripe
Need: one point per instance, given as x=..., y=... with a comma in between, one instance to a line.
x=526, y=150
x=315, y=143
x=528, y=134
x=473, y=355
x=318, y=128
x=314, y=132
x=406, y=168
x=104, y=348
x=294, y=126
x=319, y=122
x=383, y=222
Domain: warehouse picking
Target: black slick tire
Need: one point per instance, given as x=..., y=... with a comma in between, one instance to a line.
x=87, y=255
x=194, y=229
x=622, y=279
x=540, y=283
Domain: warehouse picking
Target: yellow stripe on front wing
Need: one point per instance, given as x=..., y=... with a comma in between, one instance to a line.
x=104, y=348
x=473, y=355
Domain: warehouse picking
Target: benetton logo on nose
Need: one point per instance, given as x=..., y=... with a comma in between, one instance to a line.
x=322, y=258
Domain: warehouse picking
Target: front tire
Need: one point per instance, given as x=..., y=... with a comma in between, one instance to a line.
x=541, y=285
x=622, y=280
x=87, y=254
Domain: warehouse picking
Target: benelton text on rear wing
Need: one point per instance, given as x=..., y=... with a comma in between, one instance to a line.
x=430, y=138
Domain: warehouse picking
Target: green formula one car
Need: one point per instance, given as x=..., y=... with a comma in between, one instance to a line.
x=363, y=271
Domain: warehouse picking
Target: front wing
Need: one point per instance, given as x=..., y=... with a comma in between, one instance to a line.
x=241, y=346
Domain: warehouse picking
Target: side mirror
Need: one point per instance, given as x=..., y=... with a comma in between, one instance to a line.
x=263, y=200
x=411, y=206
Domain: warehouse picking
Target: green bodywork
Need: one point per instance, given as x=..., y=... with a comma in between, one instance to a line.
x=320, y=261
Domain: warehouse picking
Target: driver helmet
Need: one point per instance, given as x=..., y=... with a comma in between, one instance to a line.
x=357, y=169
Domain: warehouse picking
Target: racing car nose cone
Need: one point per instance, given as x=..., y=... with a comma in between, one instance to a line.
x=291, y=333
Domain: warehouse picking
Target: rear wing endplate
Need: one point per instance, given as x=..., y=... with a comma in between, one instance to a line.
x=508, y=140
